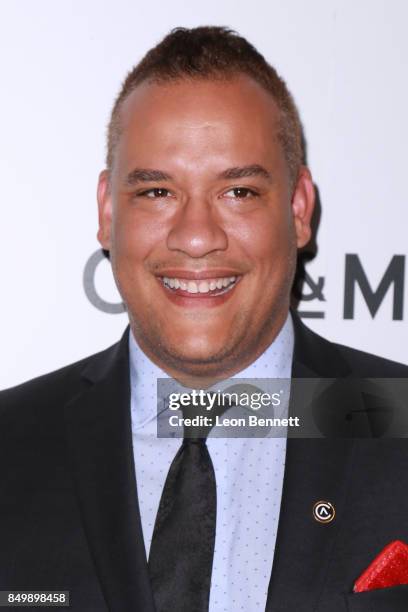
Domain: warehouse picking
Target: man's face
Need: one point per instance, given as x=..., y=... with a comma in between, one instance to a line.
x=202, y=223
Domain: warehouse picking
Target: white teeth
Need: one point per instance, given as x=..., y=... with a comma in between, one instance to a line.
x=192, y=287
x=203, y=286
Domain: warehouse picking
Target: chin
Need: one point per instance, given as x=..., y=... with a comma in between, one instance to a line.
x=197, y=351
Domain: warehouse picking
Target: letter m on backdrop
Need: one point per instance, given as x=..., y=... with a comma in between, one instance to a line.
x=355, y=275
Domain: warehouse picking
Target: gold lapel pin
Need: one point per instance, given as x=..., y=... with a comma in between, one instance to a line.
x=323, y=512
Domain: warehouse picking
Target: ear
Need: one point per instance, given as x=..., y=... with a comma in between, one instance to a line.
x=303, y=200
x=104, y=210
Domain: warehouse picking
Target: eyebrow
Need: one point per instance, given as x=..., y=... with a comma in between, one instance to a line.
x=143, y=175
x=245, y=171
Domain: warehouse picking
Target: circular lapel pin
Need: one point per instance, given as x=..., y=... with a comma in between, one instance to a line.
x=323, y=512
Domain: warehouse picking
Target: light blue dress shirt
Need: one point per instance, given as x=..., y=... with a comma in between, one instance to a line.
x=249, y=477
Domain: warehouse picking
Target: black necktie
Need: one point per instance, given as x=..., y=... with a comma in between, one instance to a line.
x=182, y=548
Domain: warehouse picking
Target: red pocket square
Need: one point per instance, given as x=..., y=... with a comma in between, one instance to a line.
x=389, y=568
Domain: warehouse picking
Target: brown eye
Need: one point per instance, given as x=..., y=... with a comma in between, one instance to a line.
x=241, y=193
x=157, y=192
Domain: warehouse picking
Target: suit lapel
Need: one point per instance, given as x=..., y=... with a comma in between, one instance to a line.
x=315, y=469
x=98, y=431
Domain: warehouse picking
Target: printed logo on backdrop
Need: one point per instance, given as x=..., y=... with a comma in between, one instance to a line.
x=307, y=289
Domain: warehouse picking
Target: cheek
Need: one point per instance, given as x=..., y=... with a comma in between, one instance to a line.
x=135, y=236
x=267, y=239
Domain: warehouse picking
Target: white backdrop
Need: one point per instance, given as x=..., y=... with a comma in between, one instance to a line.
x=61, y=65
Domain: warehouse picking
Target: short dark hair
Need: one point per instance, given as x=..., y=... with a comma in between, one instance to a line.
x=212, y=52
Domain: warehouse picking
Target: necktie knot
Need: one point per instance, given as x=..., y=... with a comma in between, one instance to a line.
x=197, y=441
x=200, y=414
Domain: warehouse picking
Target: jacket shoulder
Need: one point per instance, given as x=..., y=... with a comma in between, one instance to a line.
x=370, y=365
x=332, y=360
x=52, y=388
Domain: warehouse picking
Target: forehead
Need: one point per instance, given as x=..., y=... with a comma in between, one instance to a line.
x=198, y=119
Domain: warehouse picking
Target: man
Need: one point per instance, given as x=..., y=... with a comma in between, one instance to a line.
x=202, y=207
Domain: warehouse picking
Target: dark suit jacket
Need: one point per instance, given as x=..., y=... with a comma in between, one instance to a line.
x=69, y=517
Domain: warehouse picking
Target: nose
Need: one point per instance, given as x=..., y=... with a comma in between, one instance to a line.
x=196, y=230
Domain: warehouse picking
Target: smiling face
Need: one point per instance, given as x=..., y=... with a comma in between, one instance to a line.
x=202, y=223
